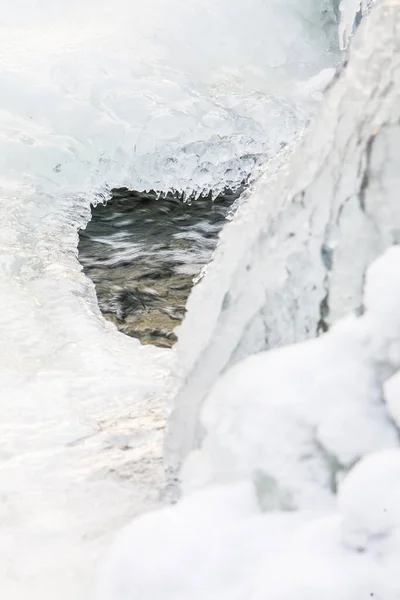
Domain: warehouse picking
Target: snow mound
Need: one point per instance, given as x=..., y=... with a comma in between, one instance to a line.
x=285, y=418
x=265, y=520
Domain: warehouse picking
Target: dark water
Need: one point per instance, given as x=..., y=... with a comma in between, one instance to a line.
x=143, y=252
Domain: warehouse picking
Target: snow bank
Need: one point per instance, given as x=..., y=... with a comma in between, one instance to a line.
x=291, y=474
x=283, y=429
x=285, y=418
x=294, y=259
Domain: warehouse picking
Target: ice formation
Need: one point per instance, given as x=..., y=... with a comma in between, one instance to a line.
x=96, y=94
x=291, y=460
x=350, y=14
x=189, y=96
x=123, y=93
x=294, y=260
x=279, y=425
x=285, y=418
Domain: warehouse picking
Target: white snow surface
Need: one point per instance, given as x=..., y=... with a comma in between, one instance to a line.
x=185, y=95
x=293, y=260
x=291, y=460
x=158, y=94
x=283, y=430
x=285, y=418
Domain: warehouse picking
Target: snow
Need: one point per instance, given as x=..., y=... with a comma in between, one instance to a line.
x=123, y=93
x=198, y=550
x=96, y=95
x=351, y=12
x=280, y=426
x=285, y=418
x=293, y=260
x=288, y=437
x=371, y=516
x=233, y=551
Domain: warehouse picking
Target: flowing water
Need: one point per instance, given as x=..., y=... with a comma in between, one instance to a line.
x=143, y=251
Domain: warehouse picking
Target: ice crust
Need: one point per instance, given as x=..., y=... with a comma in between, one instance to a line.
x=190, y=96
x=288, y=433
x=295, y=490
x=294, y=259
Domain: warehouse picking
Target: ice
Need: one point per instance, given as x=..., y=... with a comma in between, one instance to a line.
x=280, y=427
x=124, y=93
x=94, y=95
x=351, y=13
x=293, y=261
x=285, y=418
x=291, y=462
x=188, y=96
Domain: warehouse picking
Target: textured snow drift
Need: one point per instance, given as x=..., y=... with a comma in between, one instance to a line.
x=286, y=425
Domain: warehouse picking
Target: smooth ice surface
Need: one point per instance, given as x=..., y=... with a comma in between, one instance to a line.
x=96, y=94
x=283, y=428
x=293, y=260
